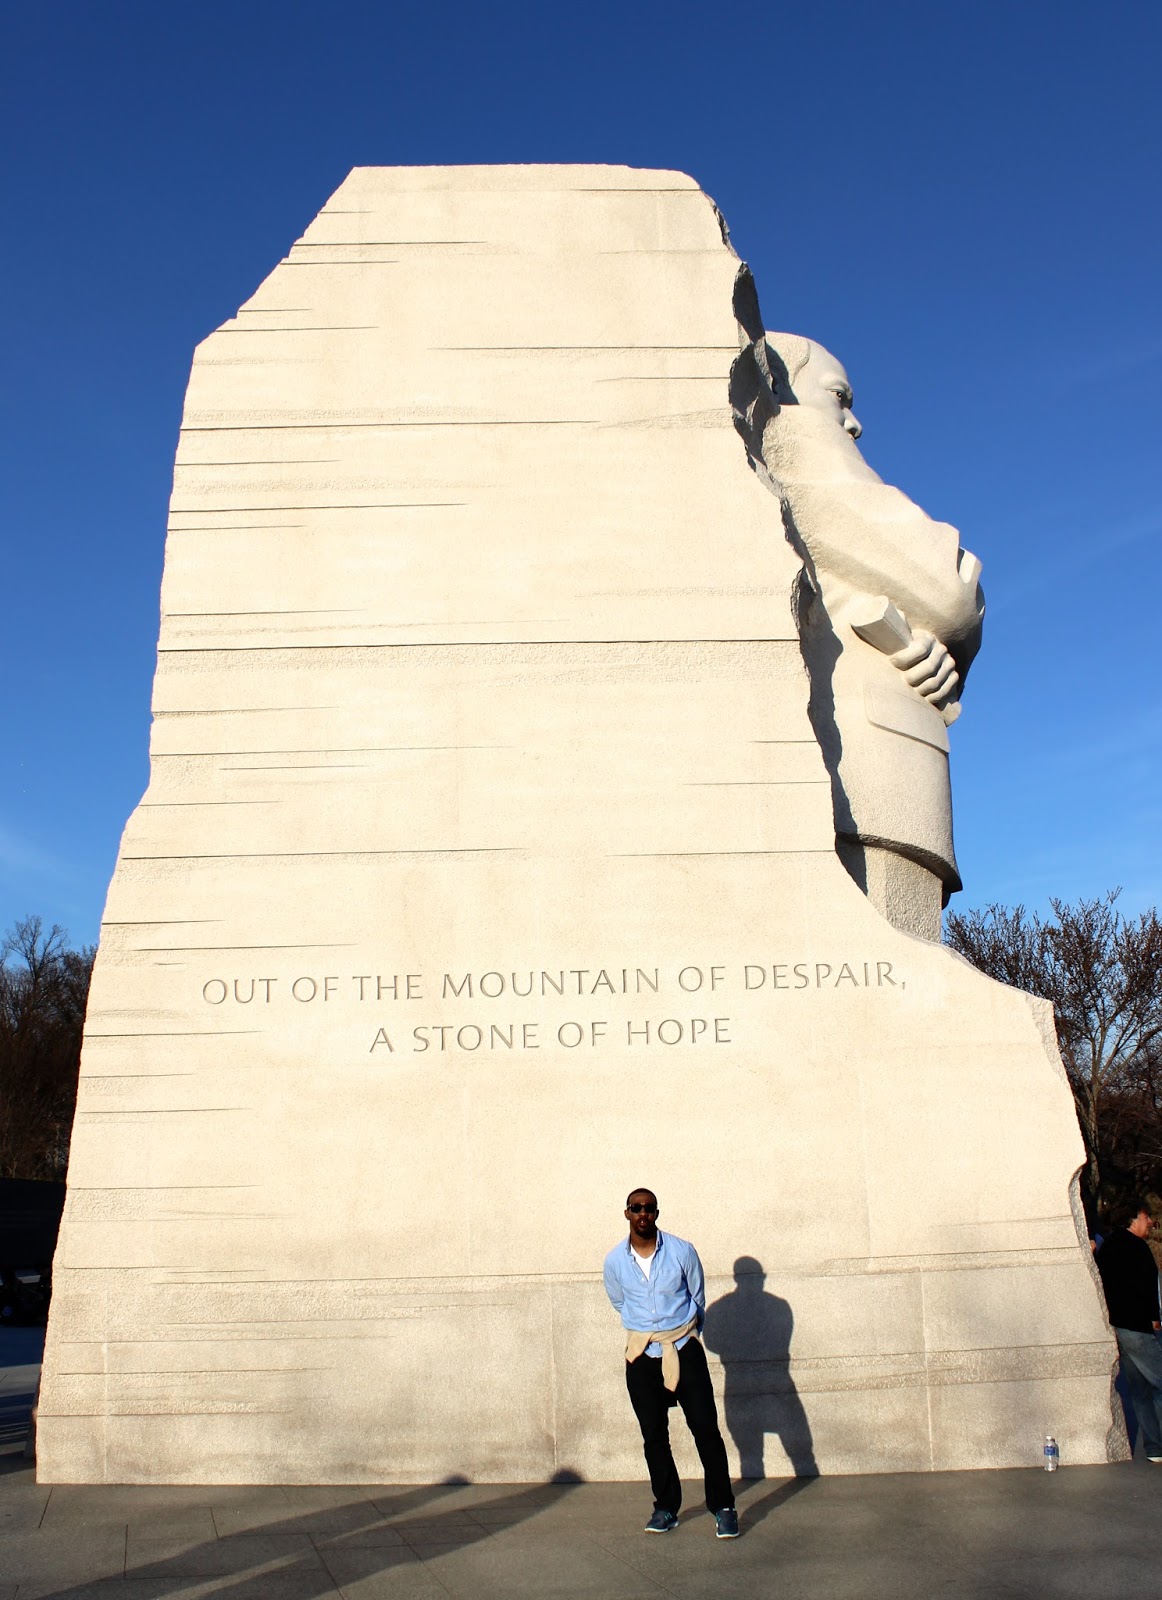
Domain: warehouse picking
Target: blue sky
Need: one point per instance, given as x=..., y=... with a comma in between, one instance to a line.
x=961, y=200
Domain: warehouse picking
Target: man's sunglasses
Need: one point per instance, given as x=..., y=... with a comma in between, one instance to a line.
x=638, y=1208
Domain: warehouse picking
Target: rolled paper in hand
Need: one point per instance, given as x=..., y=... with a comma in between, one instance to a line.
x=886, y=629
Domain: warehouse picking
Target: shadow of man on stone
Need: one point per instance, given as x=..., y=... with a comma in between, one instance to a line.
x=750, y=1333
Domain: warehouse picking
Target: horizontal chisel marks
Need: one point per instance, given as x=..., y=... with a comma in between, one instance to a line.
x=387, y=644
x=350, y=855
x=243, y=711
x=177, y=1033
x=189, y=1372
x=159, y=1111
x=296, y=327
x=309, y=611
x=385, y=261
x=234, y=1409
x=325, y=427
x=650, y=855
x=338, y=750
x=755, y=783
x=173, y=949
x=583, y=349
x=352, y=505
x=372, y=244
x=671, y=590
x=280, y=461
x=483, y=644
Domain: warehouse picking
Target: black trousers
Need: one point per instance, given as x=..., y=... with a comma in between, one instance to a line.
x=651, y=1403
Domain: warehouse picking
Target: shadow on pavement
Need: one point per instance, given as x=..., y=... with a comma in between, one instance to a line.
x=324, y=1549
x=757, y=1511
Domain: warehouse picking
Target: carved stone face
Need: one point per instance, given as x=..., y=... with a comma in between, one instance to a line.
x=823, y=384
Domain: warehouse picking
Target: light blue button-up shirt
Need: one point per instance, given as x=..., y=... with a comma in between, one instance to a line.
x=673, y=1294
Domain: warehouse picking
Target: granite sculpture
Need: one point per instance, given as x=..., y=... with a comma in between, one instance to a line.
x=489, y=867
x=874, y=565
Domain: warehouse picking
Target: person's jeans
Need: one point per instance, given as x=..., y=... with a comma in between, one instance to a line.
x=652, y=1401
x=1142, y=1364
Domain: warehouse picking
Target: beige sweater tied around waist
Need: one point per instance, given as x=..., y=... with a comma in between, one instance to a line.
x=636, y=1341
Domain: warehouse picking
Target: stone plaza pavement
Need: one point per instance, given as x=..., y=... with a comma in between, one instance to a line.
x=1086, y=1531
x=1091, y=1532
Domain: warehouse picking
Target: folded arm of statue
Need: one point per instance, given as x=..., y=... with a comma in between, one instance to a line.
x=927, y=665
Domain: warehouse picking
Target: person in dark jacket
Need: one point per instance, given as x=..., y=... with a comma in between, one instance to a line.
x=1129, y=1276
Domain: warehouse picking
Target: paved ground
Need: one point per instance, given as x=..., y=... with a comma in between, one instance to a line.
x=1090, y=1531
x=1084, y=1533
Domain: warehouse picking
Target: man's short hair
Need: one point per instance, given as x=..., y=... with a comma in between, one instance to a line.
x=642, y=1190
x=1130, y=1208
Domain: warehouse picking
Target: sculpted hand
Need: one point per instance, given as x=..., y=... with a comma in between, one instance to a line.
x=928, y=667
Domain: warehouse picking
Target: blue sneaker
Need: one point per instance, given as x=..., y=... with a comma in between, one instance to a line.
x=661, y=1522
x=726, y=1523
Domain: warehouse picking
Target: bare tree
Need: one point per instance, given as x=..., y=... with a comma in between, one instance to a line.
x=1102, y=973
x=44, y=988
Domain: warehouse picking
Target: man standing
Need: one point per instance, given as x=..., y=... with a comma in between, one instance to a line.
x=655, y=1281
x=1129, y=1276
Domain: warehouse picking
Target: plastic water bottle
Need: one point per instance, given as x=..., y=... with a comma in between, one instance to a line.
x=1052, y=1454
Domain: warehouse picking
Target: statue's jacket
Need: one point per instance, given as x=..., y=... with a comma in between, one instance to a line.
x=862, y=538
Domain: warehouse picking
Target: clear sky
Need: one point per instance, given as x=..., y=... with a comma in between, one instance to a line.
x=961, y=200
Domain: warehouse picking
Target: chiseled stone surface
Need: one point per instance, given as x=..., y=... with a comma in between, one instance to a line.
x=488, y=869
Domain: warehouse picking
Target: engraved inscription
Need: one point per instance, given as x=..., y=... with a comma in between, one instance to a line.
x=656, y=1030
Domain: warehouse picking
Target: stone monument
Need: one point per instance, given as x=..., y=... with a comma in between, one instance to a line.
x=549, y=796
